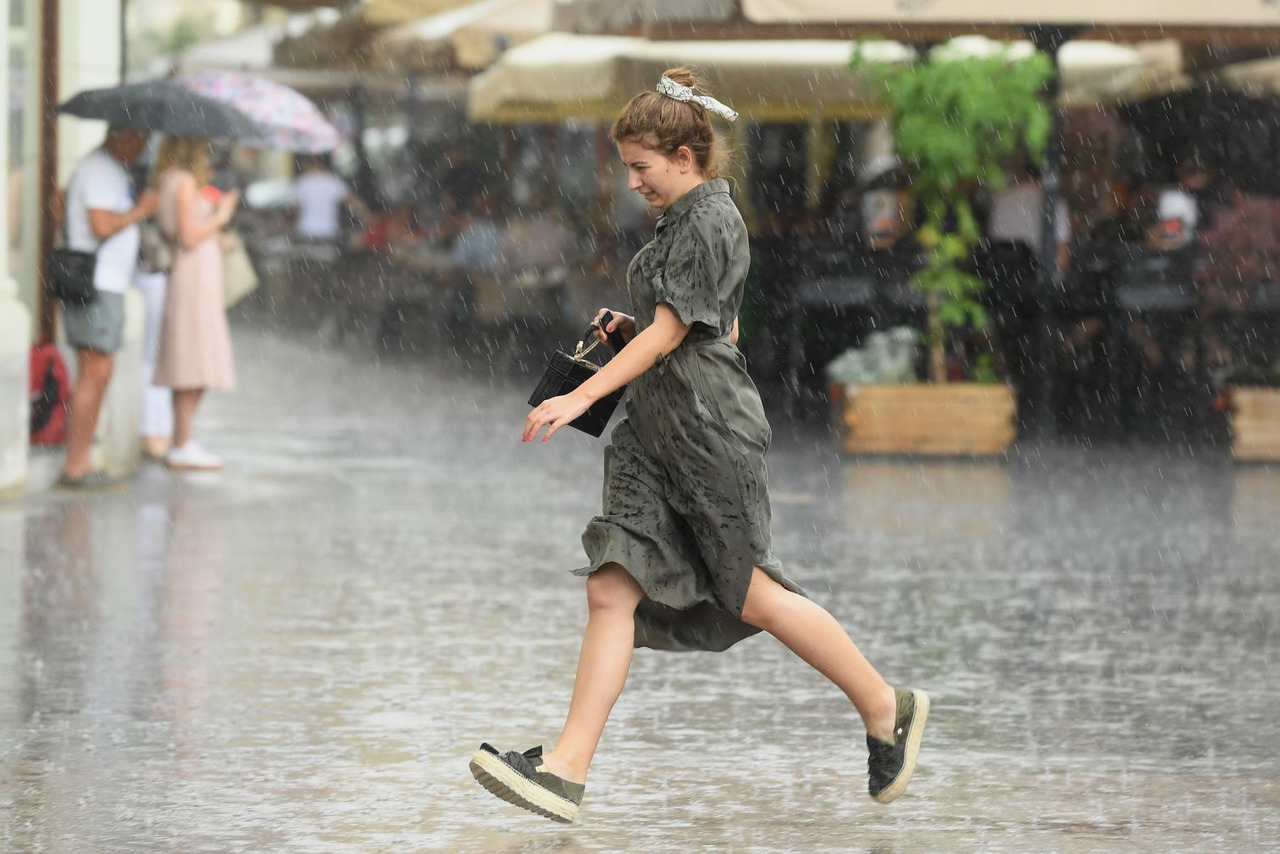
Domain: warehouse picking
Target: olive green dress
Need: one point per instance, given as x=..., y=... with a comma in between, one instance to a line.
x=686, y=500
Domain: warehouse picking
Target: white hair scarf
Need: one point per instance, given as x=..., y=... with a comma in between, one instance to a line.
x=672, y=89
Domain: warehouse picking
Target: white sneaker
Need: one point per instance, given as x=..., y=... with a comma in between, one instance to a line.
x=192, y=457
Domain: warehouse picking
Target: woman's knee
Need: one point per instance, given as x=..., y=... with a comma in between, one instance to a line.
x=763, y=597
x=612, y=588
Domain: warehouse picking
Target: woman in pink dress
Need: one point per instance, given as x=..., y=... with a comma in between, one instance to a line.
x=195, y=342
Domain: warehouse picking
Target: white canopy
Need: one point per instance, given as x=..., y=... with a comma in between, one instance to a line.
x=1092, y=72
x=1254, y=78
x=568, y=76
x=561, y=75
x=1103, y=13
x=475, y=34
x=253, y=51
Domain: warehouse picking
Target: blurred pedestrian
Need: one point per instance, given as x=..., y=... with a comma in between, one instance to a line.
x=156, y=424
x=1016, y=215
x=195, y=342
x=681, y=557
x=321, y=197
x=102, y=212
x=886, y=206
x=1190, y=206
x=478, y=246
x=477, y=262
x=395, y=230
x=537, y=238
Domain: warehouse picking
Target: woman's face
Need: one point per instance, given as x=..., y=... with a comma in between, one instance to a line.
x=661, y=180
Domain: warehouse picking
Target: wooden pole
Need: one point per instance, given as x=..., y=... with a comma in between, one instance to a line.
x=48, y=180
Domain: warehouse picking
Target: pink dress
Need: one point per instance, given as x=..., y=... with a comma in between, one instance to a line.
x=195, y=341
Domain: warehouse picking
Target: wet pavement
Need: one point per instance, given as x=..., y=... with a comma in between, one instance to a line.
x=299, y=654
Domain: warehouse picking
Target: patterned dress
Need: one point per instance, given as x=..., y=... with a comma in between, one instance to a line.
x=686, y=501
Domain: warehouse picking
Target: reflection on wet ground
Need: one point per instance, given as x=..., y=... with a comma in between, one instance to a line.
x=300, y=654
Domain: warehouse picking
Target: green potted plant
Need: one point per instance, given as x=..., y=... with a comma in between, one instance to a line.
x=958, y=117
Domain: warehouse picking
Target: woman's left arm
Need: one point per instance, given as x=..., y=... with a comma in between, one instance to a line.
x=641, y=353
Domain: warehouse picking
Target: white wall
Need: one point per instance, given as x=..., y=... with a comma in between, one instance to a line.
x=15, y=344
x=88, y=58
x=15, y=332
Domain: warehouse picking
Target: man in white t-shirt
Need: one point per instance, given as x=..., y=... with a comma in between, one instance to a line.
x=1177, y=215
x=320, y=196
x=102, y=213
x=1016, y=216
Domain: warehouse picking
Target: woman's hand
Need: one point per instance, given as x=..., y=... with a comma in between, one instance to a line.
x=624, y=323
x=227, y=206
x=556, y=411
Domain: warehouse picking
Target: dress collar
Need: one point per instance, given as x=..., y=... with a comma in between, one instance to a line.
x=689, y=199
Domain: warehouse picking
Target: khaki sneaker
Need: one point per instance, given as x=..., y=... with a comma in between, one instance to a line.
x=522, y=779
x=94, y=481
x=890, y=766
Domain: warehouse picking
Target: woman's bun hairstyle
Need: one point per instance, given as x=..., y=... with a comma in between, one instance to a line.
x=665, y=124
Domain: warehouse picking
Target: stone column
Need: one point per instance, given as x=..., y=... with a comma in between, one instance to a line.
x=15, y=334
x=15, y=346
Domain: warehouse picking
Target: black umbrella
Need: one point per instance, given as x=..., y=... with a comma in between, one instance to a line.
x=162, y=107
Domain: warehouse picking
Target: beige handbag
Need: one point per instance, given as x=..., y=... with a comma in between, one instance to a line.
x=241, y=278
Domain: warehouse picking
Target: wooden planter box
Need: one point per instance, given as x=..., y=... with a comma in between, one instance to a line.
x=1255, y=424
x=944, y=420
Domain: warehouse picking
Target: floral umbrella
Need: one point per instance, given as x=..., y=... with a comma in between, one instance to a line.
x=289, y=119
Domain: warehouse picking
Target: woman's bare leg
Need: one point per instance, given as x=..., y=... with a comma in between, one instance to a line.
x=612, y=597
x=185, y=401
x=806, y=629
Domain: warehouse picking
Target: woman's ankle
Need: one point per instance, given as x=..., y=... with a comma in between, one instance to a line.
x=881, y=719
x=566, y=766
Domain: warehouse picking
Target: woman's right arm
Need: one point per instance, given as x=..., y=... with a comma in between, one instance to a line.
x=661, y=337
x=192, y=231
x=641, y=353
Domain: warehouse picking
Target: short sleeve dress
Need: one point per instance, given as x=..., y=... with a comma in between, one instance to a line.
x=686, y=502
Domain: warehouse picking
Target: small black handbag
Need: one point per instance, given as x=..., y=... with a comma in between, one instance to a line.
x=71, y=272
x=564, y=373
x=71, y=276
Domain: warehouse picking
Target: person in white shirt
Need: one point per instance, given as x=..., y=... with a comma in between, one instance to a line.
x=102, y=214
x=1177, y=217
x=1016, y=215
x=320, y=196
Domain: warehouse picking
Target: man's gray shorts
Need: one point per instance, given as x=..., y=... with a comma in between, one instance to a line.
x=97, y=326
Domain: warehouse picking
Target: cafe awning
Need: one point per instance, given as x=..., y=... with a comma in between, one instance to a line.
x=561, y=76
x=1095, y=72
x=298, y=5
x=1261, y=77
x=478, y=44
x=251, y=49
x=375, y=13
x=1138, y=18
x=470, y=37
x=388, y=13
x=558, y=76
